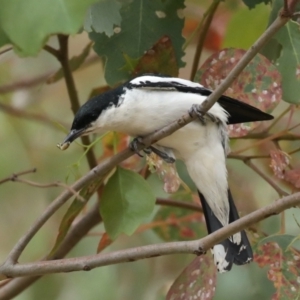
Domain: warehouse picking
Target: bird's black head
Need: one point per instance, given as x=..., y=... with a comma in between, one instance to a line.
x=87, y=115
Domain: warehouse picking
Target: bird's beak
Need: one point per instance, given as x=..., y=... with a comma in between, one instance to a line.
x=73, y=135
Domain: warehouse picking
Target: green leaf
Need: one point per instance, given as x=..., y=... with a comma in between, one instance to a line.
x=126, y=201
x=143, y=23
x=252, y=3
x=239, y=34
x=283, y=240
x=28, y=24
x=74, y=210
x=289, y=61
x=75, y=63
x=3, y=38
x=197, y=281
x=102, y=17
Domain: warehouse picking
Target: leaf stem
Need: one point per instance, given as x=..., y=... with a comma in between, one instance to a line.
x=204, y=30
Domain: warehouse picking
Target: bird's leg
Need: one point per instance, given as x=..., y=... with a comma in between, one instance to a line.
x=202, y=117
x=163, y=155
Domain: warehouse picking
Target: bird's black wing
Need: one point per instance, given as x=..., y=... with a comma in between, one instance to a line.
x=239, y=112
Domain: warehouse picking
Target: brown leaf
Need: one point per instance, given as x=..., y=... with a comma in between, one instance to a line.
x=166, y=171
x=293, y=176
x=197, y=281
x=104, y=242
x=160, y=59
x=279, y=162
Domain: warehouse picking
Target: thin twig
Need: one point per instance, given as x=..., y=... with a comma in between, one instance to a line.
x=204, y=30
x=109, y=163
x=48, y=185
x=6, y=50
x=20, y=113
x=266, y=178
x=75, y=234
x=70, y=83
x=198, y=247
x=15, y=175
x=180, y=204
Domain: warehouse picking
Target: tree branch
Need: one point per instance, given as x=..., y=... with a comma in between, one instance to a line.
x=14, y=176
x=75, y=234
x=198, y=247
x=109, y=163
x=63, y=58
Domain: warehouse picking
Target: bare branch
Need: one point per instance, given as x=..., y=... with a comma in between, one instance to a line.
x=20, y=113
x=109, y=163
x=75, y=234
x=180, y=204
x=47, y=185
x=197, y=247
x=14, y=176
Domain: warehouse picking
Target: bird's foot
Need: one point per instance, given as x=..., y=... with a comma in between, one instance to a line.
x=168, y=159
x=203, y=117
x=195, y=110
x=134, y=145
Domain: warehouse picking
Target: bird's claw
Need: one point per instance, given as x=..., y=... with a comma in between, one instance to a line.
x=195, y=110
x=134, y=145
x=202, y=116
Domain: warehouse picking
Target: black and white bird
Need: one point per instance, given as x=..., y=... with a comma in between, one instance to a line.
x=148, y=103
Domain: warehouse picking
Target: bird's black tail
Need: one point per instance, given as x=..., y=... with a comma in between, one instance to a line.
x=228, y=251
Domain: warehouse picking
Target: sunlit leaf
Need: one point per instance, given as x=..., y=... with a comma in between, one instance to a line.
x=74, y=210
x=103, y=16
x=36, y=20
x=159, y=59
x=75, y=62
x=239, y=34
x=135, y=36
x=126, y=201
x=197, y=281
x=258, y=85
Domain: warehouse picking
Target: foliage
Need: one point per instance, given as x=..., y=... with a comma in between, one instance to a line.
x=132, y=37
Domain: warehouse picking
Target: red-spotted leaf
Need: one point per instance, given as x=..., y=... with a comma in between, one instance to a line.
x=126, y=201
x=166, y=171
x=283, y=262
x=258, y=85
x=197, y=281
x=161, y=58
x=293, y=176
x=279, y=162
x=74, y=210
